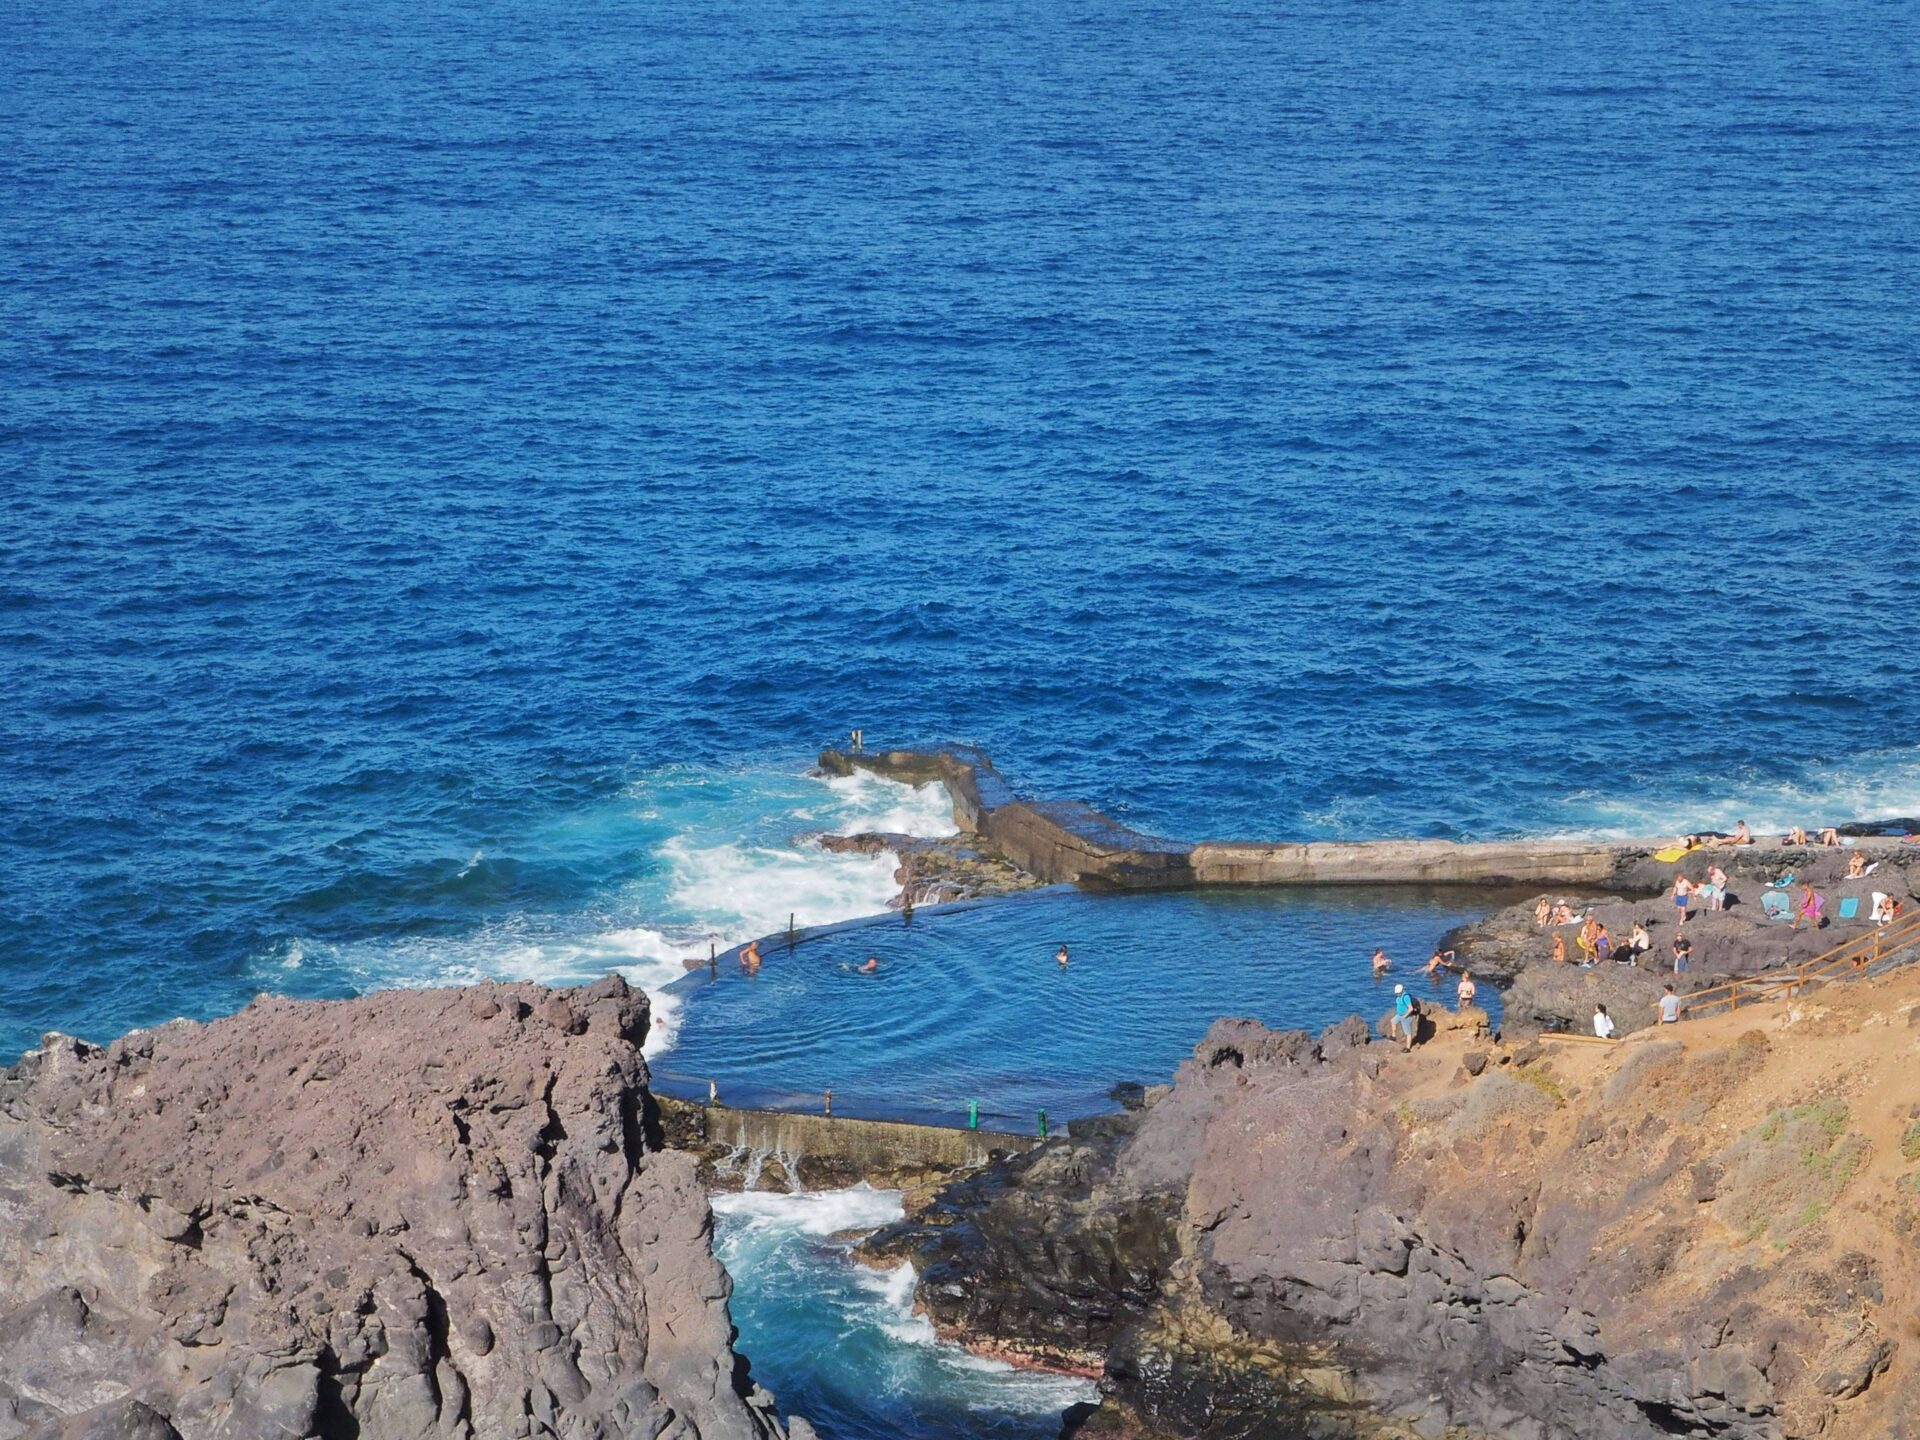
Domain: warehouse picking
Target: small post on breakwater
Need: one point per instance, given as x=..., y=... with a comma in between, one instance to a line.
x=973, y=1114
x=829, y=1104
x=790, y=930
x=713, y=959
x=1043, y=1125
x=713, y=1092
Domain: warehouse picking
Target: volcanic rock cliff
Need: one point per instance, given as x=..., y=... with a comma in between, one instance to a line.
x=1707, y=1230
x=428, y=1213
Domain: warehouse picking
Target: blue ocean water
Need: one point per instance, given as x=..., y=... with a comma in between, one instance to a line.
x=457, y=463
x=839, y=1342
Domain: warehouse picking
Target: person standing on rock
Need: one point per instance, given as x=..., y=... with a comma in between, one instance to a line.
x=1717, y=883
x=1467, y=989
x=1682, y=895
x=1682, y=955
x=1404, y=1022
x=1559, y=949
x=1602, y=1022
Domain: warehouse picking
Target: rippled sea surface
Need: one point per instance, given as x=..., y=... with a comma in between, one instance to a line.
x=969, y=1004
x=457, y=463
x=421, y=425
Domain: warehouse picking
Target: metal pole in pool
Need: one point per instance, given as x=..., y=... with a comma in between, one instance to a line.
x=790, y=930
x=829, y=1103
x=973, y=1114
x=1043, y=1124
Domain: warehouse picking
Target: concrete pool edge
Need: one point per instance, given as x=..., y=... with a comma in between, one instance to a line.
x=1065, y=842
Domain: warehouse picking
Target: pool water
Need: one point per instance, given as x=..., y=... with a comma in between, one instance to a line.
x=970, y=1005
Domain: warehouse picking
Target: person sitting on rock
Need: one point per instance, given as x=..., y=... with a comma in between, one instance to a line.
x=1563, y=914
x=1741, y=835
x=1857, y=865
x=1669, y=1007
x=1830, y=837
x=1543, y=912
x=1638, y=943
x=1796, y=836
x=1467, y=989
x=1405, y=1022
x=1602, y=944
x=1602, y=1022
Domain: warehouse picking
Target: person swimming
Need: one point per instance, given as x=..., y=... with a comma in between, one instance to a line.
x=872, y=964
x=1062, y=956
x=1381, y=964
x=1440, y=960
x=750, y=956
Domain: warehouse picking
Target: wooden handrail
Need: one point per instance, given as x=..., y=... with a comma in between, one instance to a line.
x=1855, y=954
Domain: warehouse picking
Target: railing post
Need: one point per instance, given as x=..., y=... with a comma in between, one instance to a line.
x=1733, y=996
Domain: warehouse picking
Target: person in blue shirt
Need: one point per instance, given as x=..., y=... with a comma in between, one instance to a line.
x=1404, y=1022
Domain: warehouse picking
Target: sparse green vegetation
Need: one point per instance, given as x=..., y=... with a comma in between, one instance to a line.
x=1544, y=1083
x=1910, y=1141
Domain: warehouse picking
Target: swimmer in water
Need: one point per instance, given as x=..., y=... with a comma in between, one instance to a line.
x=872, y=964
x=1441, y=960
x=750, y=957
x=1380, y=963
x=1061, y=956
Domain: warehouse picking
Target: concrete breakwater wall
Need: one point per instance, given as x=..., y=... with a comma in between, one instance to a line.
x=1065, y=842
x=830, y=1150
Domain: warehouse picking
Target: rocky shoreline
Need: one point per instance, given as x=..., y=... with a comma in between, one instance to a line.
x=1706, y=1233
x=421, y=1213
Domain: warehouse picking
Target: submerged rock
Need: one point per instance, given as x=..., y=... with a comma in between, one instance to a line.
x=440, y=1213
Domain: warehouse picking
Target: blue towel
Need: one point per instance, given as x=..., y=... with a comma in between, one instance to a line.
x=1775, y=904
x=1849, y=907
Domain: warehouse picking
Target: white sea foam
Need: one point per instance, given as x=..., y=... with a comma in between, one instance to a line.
x=759, y=1230
x=866, y=802
x=745, y=891
x=647, y=958
x=708, y=894
x=1875, y=785
x=817, y=1212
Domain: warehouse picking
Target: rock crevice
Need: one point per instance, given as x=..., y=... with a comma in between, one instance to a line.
x=422, y=1213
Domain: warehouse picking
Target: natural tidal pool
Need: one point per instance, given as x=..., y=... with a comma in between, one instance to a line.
x=969, y=1004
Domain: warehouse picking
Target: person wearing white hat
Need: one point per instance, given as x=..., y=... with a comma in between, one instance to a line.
x=1404, y=1022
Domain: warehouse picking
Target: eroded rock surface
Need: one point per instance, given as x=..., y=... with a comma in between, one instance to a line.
x=1706, y=1232
x=422, y=1213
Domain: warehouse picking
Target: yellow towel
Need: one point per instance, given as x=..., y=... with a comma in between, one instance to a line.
x=1671, y=853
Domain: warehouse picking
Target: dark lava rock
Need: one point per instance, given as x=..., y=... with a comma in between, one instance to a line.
x=422, y=1213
